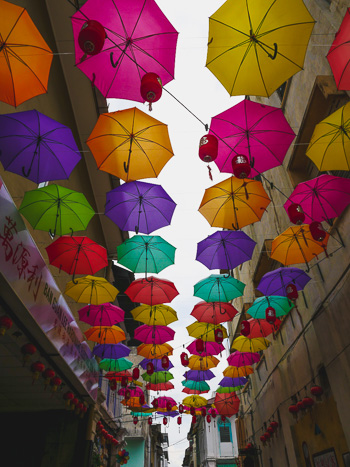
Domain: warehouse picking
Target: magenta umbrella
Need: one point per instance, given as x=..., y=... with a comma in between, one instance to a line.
x=139, y=39
x=134, y=391
x=154, y=334
x=163, y=400
x=101, y=315
x=243, y=358
x=210, y=348
x=258, y=131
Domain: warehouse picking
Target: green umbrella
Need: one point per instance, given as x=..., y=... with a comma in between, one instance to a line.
x=56, y=209
x=282, y=306
x=157, y=377
x=222, y=390
x=146, y=253
x=120, y=364
x=196, y=385
x=219, y=288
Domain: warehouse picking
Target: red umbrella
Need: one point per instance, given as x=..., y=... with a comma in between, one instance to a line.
x=160, y=386
x=152, y=291
x=227, y=403
x=339, y=54
x=213, y=312
x=193, y=391
x=118, y=375
x=261, y=328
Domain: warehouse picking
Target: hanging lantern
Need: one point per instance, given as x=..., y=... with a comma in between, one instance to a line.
x=270, y=315
x=91, y=37
x=165, y=420
x=37, y=368
x=127, y=394
x=48, y=374
x=208, y=148
x=112, y=385
x=263, y=439
x=274, y=425
x=267, y=436
x=208, y=418
x=223, y=418
x=169, y=406
x=249, y=446
x=74, y=403
x=308, y=402
x=151, y=88
x=79, y=407
x=150, y=368
x=199, y=346
x=270, y=430
x=184, y=359
x=194, y=419
x=219, y=337
x=135, y=420
x=181, y=408
x=241, y=166
x=165, y=362
x=179, y=420
x=150, y=420
x=83, y=411
x=135, y=373
x=142, y=400
x=104, y=433
x=5, y=324
x=296, y=213
x=155, y=403
x=317, y=231
x=213, y=413
x=55, y=383
x=245, y=328
x=203, y=411
x=300, y=405
x=68, y=397
x=124, y=381
x=292, y=291
x=192, y=411
x=317, y=391
x=27, y=351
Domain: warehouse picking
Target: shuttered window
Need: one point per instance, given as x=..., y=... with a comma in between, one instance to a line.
x=225, y=434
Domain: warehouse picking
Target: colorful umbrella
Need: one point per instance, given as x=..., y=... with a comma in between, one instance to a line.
x=205, y=331
x=121, y=364
x=254, y=47
x=234, y=203
x=199, y=375
x=339, y=54
x=195, y=401
x=210, y=348
x=154, y=334
x=134, y=391
x=101, y=315
x=237, y=371
x=173, y=414
x=296, y=245
x=276, y=282
x=145, y=253
x=130, y=144
x=139, y=206
x=194, y=391
x=228, y=389
x=282, y=306
x=118, y=375
x=154, y=350
x=154, y=315
x=243, y=358
x=214, y=312
x=329, y=148
x=225, y=250
x=261, y=328
x=219, y=288
x=196, y=385
x=164, y=400
x=197, y=362
x=157, y=377
x=91, y=289
x=159, y=386
x=105, y=334
x=226, y=404
x=56, y=210
x=139, y=39
x=227, y=382
x=114, y=351
x=152, y=291
x=25, y=58
x=243, y=344
x=157, y=364
x=132, y=403
x=257, y=131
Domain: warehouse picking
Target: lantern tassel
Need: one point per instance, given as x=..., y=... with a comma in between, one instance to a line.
x=209, y=172
x=150, y=106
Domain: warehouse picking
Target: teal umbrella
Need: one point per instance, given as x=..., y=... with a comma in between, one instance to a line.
x=222, y=390
x=219, y=288
x=196, y=385
x=146, y=253
x=282, y=306
x=157, y=377
x=120, y=364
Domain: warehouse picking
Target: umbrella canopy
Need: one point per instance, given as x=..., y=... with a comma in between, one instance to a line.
x=154, y=350
x=329, y=148
x=228, y=389
x=196, y=385
x=243, y=358
x=225, y=250
x=227, y=382
x=210, y=348
x=254, y=47
x=154, y=334
x=37, y=147
x=139, y=39
x=121, y=364
x=151, y=291
x=56, y=209
x=118, y=375
x=322, y=198
x=243, y=344
x=276, y=282
x=132, y=403
x=282, y=306
x=226, y=404
x=259, y=132
x=296, y=245
x=157, y=364
x=218, y=288
x=214, y=312
x=91, y=289
x=261, y=328
x=101, y=315
x=339, y=54
x=163, y=401
x=194, y=391
x=195, y=401
x=154, y=315
x=202, y=363
x=130, y=144
x=199, y=375
x=139, y=206
x=205, y=331
x=105, y=334
x=159, y=386
x=144, y=253
x=157, y=377
x=237, y=372
x=114, y=351
x=172, y=414
x=234, y=203
x=25, y=58
x=134, y=391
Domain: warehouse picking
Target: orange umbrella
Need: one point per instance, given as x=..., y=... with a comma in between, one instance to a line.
x=25, y=58
x=296, y=245
x=234, y=203
x=105, y=334
x=237, y=372
x=197, y=362
x=154, y=350
x=130, y=144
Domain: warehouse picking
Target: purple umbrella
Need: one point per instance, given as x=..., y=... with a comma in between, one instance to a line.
x=113, y=351
x=101, y=315
x=227, y=382
x=257, y=131
x=139, y=206
x=154, y=334
x=243, y=358
x=275, y=282
x=199, y=375
x=321, y=198
x=210, y=348
x=37, y=147
x=157, y=363
x=225, y=249
x=169, y=414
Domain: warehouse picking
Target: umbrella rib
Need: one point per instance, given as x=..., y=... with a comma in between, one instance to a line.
x=14, y=25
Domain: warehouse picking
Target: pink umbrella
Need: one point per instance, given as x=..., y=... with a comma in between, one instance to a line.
x=257, y=131
x=101, y=315
x=154, y=334
x=162, y=402
x=134, y=392
x=243, y=358
x=210, y=348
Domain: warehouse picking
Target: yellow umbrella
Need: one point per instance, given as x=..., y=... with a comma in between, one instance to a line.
x=195, y=401
x=130, y=144
x=205, y=331
x=154, y=315
x=90, y=289
x=202, y=363
x=234, y=203
x=243, y=344
x=254, y=46
x=238, y=372
x=105, y=334
x=154, y=350
x=329, y=148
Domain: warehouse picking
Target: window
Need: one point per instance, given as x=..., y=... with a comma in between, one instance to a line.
x=225, y=435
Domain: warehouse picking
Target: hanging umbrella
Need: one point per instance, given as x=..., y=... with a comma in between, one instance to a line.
x=228, y=389
x=225, y=250
x=172, y=414
x=159, y=386
x=296, y=245
x=77, y=255
x=329, y=148
x=114, y=351
x=132, y=403
x=37, y=147
x=194, y=391
x=232, y=382
x=210, y=348
x=105, y=334
x=101, y=315
x=157, y=364
x=56, y=209
x=243, y=358
x=121, y=364
x=282, y=306
x=339, y=54
x=91, y=289
x=199, y=375
x=322, y=198
x=154, y=334
x=214, y=312
x=157, y=377
x=139, y=39
x=130, y=144
x=205, y=331
x=255, y=46
x=118, y=375
x=164, y=400
x=196, y=385
x=139, y=206
x=145, y=253
x=275, y=282
x=25, y=58
x=197, y=362
x=261, y=328
x=154, y=350
x=134, y=391
x=219, y=288
x=243, y=344
x=257, y=131
x=234, y=203
x=154, y=315
x=195, y=401
x=152, y=291
x=237, y=372
x=226, y=404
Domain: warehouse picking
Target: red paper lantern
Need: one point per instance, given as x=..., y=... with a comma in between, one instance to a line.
x=296, y=213
x=219, y=336
x=317, y=391
x=112, y=384
x=135, y=420
x=55, y=383
x=179, y=420
x=74, y=402
x=249, y=446
x=169, y=406
x=263, y=439
x=150, y=368
x=135, y=373
x=267, y=435
x=241, y=166
x=165, y=421
x=151, y=88
x=308, y=402
x=68, y=397
x=270, y=430
x=292, y=291
x=155, y=403
x=274, y=425
x=192, y=411
x=300, y=405
x=194, y=419
x=245, y=328
x=208, y=418
x=208, y=148
x=293, y=409
x=184, y=359
x=37, y=368
x=203, y=411
x=213, y=413
x=124, y=381
x=27, y=351
x=142, y=399
x=270, y=315
x=199, y=346
x=5, y=324
x=181, y=408
x=104, y=433
x=91, y=37
x=317, y=231
x=223, y=418
x=79, y=408
x=150, y=420
x=165, y=362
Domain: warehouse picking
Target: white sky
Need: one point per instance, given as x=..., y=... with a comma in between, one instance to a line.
x=185, y=178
